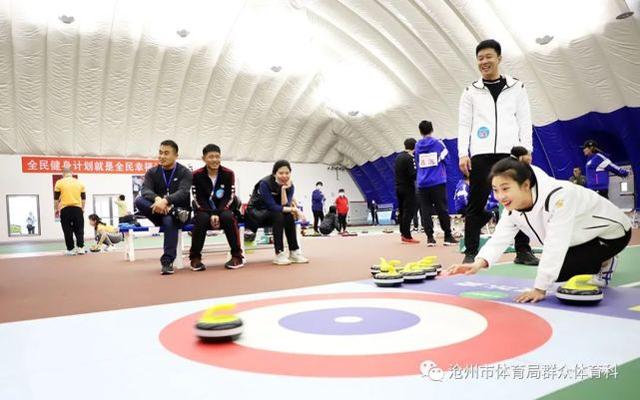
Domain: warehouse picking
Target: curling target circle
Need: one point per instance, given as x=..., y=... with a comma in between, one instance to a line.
x=346, y=335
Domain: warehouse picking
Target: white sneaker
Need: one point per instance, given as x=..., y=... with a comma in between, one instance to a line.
x=602, y=278
x=296, y=257
x=80, y=251
x=281, y=259
x=69, y=253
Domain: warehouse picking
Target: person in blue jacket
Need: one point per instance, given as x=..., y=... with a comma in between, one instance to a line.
x=431, y=179
x=461, y=199
x=461, y=195
x=598, y=168
x=493, y=206
x=317, y=205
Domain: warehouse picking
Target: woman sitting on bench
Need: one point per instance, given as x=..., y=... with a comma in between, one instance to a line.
x=271, y=205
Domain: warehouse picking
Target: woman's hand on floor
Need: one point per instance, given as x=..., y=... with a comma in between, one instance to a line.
x=531, y=296
x=467, y=269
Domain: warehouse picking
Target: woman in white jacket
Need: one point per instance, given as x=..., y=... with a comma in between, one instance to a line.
x=581, y=232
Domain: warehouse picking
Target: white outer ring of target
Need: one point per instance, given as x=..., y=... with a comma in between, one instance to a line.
x=440, y=325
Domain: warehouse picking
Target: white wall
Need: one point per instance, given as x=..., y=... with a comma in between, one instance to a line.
x=14, y=181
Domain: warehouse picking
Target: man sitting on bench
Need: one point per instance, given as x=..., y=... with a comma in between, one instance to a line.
x=213, y=193
x=164, y=199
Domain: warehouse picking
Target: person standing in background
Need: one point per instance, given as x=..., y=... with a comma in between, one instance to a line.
x=578, y=178
x=373, y=207
x=430, y=154
x=31, y=224
x=342, y=206
x=69, y=200
x=598, y=168
x=494, y=116
x=317, y=206
x=124, y=216
x=405, y=174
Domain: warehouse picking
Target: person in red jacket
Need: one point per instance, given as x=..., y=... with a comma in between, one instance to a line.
x=342, y=205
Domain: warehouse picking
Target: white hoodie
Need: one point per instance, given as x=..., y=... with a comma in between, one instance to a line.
x=563, y=215
x=489, y=127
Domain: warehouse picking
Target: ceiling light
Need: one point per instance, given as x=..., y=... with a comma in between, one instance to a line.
x=276, y=68
x=625, y=15
x=544, y=40
x=67, y=19
x=354, y=113
x=183, y=33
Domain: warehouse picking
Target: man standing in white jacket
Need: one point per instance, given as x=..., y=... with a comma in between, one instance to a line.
x=494, y=117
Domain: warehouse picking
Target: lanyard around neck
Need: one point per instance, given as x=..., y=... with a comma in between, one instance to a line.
x=164, y=176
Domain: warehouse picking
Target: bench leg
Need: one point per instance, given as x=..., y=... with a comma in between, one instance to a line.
x=299, y=235
x=129, y=252
x=180, y=252
x=241, y=238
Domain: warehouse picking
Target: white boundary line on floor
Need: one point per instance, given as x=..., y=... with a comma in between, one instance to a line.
x=632, y=284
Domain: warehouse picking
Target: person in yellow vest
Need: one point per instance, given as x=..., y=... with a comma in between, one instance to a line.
x=106, y=235
x=69, y=196
x=124, y=216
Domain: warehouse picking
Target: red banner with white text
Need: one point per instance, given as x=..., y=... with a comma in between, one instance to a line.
x=86, y=165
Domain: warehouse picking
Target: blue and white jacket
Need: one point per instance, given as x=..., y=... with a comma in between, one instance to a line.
x=317, y=200
x=597, y=171
x=461, y=196
x=429, y=155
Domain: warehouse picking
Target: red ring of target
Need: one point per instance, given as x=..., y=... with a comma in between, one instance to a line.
x=499, y=341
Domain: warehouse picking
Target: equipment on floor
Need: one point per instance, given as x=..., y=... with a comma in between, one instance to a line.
x=413, y=272
x=388, y=279
x=390, y=274
x=431, y=261
x=578, y=290
x=217, y=326
x=384, y=266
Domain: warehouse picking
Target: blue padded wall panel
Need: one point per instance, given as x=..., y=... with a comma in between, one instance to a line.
x=556, y=149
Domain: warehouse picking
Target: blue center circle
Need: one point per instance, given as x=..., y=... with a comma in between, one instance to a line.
x=349, y=321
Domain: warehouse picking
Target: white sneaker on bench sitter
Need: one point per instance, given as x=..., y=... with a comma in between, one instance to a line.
x=281, y=259
x=296, y=257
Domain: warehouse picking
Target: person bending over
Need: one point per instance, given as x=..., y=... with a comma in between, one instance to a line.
x=581, y=232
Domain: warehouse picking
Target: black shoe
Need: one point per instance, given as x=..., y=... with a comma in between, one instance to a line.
x=181, y=215
x=431, y=242
x=234, y=263
x=167, y=268
x=526, y=258
x=197, y=265
x=469, y=259
x=450, y=241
